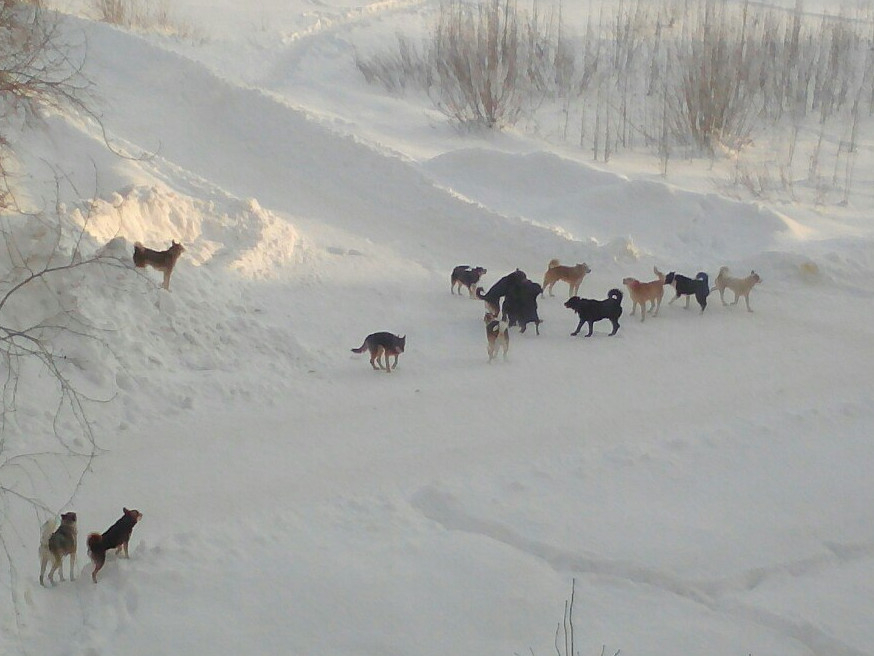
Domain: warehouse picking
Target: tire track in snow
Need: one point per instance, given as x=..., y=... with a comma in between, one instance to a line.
x=444, y=509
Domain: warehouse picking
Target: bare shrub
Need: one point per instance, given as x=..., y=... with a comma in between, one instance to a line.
x=145, y=15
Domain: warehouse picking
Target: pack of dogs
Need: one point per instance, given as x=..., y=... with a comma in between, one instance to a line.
x=512, y=302
x=57, y=542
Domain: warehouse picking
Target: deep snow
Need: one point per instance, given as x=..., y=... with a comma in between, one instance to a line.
x=703, y=478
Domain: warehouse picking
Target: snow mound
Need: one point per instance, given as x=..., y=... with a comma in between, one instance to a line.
x=239, y=235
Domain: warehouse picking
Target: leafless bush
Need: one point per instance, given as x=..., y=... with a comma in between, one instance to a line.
x=483, y=64
x=146, y=15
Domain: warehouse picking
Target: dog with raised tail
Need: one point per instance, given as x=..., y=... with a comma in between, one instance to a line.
x=642, y=293
x=699, y=287
x=163, y=261
x=740, y=286
x=497, y=335
x=55, y=543
x=115, y=537
x=590, y=310
x=572, y=275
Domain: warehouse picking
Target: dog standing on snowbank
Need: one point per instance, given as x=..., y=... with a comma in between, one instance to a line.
x=163, y=261
x=740, y=286
x=115, y=537
x=55, y=544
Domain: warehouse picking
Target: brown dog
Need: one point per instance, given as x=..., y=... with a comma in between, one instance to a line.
x=116, y=537
x=161, y=260
x=497, y=334
x=382, y=345
x=642, y=293
x=572, y=275
x=740, y=286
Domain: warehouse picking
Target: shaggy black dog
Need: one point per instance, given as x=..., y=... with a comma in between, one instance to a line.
x=591, y=311
x=685, y=286
x=465, y=275
x=520, y=305
x=504, y=286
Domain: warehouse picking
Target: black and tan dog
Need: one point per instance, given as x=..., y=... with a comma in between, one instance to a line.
x=572, y=275
x=55, y=544
x=740, y=286
x=163, y=261
x=506, y=285
x=699, y=287
x=591, y=310
x=520, y=305
x=382, y=345
x=115, y=537
x=497, y=335
x=466, y=276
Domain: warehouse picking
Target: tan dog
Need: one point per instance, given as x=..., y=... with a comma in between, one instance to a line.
x=55, y=544
x=643, y=292
x=740, y=286
x=497, y=334
x=572, y=275
x=161, y=260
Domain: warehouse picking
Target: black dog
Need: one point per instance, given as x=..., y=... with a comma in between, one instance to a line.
x=116, y=537
x=504, y=286
x=520, y=305
x=466, y=276
x=591, y=311
x=685, y=286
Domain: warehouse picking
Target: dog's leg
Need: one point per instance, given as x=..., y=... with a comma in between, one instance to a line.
x=722, y=295
x=747, y=299
x=676, y=296
x=579, y=327
x=55, y=564
x=43, y=561
x=73, y=566
x=615, y=326
x=166, y=283
x=591, y=328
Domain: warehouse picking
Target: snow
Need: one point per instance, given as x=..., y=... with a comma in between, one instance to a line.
x=704, y=479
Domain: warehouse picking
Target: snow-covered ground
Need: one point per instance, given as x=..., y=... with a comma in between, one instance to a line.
x=704, y=479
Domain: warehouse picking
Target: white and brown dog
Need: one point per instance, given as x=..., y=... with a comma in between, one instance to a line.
x=55, y=544
x=740, y=286
x=497, y=335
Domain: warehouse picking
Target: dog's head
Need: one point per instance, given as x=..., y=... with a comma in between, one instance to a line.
x=488, y=317
x=756, y=278
x=573, y=303
x=480, y=271
x=669, y=279
x=176, y=248
x=68, y=518
x=402, y=342
x=582, y=266
x=631, y=282
x=135, y=515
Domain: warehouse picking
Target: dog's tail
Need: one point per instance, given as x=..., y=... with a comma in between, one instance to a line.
x=361, y=348
x=615, y=294
x=48, y=527
x=553, y=263
x=95, y=543
x=659, y=274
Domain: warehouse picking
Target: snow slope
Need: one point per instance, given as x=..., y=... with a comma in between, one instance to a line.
x=703, y=478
